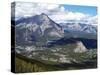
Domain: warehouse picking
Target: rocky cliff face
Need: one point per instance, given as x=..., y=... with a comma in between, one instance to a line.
x=39, y=28
x=80, y=48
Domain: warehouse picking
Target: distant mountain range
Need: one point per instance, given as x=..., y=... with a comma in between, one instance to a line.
x=80, y=27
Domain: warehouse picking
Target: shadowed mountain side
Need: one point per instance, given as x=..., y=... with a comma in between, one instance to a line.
x=88, y=43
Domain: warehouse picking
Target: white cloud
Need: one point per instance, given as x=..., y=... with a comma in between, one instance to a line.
x=54, y=11
x=68, y=16
x=29, y=9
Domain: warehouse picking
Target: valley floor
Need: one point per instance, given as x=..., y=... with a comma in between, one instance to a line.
x=24, y=64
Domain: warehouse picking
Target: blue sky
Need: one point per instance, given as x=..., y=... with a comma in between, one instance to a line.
x=82, y=9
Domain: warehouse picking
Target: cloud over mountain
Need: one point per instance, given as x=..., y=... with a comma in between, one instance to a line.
x=56, y=12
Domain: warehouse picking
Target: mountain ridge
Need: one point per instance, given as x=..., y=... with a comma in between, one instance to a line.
x=39, y=27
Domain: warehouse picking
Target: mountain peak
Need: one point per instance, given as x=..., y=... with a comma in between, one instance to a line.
x=43, y=14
